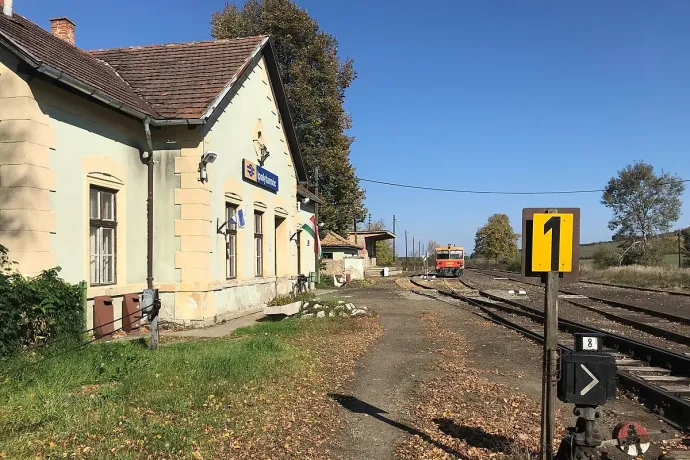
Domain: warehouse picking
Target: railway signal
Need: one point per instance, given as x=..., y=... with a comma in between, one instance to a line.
x=588, y=380
x=549, y=247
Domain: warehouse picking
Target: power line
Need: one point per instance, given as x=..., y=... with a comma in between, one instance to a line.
x=491, y=192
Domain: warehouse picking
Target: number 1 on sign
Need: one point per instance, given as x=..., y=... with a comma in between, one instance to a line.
x=552, y=243
x=553, y=225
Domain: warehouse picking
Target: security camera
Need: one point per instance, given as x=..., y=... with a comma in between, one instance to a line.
x=305, y=200
x=208, y=157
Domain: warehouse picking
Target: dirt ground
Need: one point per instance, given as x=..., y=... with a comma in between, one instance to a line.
x=479, y=383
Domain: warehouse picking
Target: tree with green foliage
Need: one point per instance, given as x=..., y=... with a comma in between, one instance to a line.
x=315, y=80
x=496, y=240
x=643, y=203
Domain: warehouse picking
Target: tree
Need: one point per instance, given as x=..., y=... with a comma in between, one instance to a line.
x=431, y=248
x=643, y=203
x=496, y=240
x=315, y=80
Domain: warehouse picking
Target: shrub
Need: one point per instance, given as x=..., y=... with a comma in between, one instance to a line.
x=606, y=257
x=325, y=282
x=514, y=266
x=290, y=298
x=36, y=310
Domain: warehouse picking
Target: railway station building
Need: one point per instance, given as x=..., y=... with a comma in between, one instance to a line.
x=76, y=131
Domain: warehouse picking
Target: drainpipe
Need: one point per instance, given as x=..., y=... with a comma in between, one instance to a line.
x=149, y=207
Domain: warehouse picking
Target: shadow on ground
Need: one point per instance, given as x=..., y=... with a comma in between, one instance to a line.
x=358, y=406
x=475, y=436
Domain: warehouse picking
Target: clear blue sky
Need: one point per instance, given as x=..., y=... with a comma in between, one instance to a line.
x=501, y=95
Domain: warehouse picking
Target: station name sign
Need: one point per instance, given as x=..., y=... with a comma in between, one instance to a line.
x=259, y=175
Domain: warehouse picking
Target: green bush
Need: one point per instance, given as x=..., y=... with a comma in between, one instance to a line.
x=514, y=266
x=326, y=282
x=606, y=257
x=36, y=310
x=290, y=298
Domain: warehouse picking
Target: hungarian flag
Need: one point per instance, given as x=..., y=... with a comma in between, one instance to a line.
x=311, y=228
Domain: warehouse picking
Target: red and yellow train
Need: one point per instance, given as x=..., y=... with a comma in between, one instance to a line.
x=450, y=260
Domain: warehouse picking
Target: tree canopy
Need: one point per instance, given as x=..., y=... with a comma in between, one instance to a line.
x=496, y=239
x=643, y=203
x=315, y=80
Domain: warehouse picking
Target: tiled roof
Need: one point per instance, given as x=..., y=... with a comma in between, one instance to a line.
x=46, y=49
x=181, y=80
x=304, y=191
x=333, y=240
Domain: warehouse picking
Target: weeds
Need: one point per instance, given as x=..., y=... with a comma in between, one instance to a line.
x=642, y=276
x=290, y=298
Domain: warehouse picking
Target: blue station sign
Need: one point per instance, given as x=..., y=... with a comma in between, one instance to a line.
x=259, y=175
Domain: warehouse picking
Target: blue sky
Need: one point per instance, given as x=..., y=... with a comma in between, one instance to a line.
x=499, y=95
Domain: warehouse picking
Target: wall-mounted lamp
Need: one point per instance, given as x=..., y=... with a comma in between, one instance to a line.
x=264, y=153
x=206, y=158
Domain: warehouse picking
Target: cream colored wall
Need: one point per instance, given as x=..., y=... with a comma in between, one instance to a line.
x=97, y=146
x=27, y=182
x=231, y=136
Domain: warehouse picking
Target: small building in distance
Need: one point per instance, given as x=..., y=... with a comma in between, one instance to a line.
x=342, y=257
x=368, y=240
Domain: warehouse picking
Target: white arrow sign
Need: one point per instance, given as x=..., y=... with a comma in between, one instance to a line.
x=591, y=384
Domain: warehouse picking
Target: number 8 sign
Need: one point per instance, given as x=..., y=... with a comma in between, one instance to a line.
x=552, y=243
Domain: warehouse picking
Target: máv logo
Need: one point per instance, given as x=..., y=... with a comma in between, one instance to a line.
x=250, y=170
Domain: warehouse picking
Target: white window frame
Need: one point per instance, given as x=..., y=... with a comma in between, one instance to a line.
x=100, y=273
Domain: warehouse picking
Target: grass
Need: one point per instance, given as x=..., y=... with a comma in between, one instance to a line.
x=120, y=400
x=642, y=276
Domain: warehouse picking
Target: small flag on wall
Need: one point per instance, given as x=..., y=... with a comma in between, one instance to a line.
x=238, y=218
x=311, y=228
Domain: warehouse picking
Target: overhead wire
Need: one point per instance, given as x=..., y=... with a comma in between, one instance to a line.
x=494, y=192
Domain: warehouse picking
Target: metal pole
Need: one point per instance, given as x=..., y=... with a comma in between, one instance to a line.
x=394, y=240
x=549, y=377
x=414, y=261
x=406, y=259
x=369, y=221
x=317, y=270
x=679, y=261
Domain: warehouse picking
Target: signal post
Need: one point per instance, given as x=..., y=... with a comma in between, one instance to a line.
x=587, y=376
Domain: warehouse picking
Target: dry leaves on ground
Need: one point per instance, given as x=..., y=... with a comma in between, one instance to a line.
x=297, y=419
x=464, y=415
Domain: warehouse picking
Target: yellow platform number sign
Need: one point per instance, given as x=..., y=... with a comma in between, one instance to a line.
x=552, y=243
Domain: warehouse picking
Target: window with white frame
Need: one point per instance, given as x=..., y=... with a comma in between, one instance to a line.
x=259, y=243
x=102, y=234
x=231, y=241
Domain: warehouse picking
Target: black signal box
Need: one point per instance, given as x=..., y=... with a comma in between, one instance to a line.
x=587, y=379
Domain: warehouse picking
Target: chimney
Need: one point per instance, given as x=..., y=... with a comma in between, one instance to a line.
x=6, y=7
x=62, y=28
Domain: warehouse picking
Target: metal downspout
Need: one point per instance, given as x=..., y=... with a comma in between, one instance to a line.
x=149, y=207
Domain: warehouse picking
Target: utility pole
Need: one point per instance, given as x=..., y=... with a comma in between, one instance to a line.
x=369, y=221
x=680, y=264
x=407, y=261
x=394, y=238
x=317, y=268
x=414, y=261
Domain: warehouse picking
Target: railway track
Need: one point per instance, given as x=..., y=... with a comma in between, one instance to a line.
x=668, y=327
x=659, y=377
